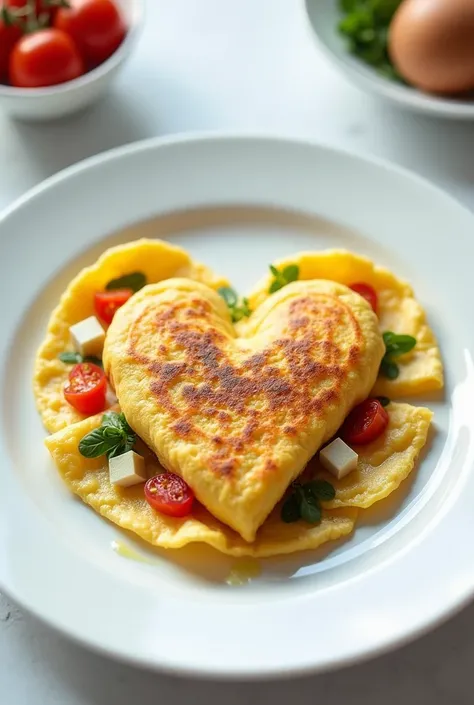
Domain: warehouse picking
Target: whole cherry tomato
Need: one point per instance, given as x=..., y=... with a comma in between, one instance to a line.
x=169, y=494
x=365, y=423
x=87, y=388
x=367, y=292
x=44, y=58
x=106, y=303
x=9, y=35
x=97, y=27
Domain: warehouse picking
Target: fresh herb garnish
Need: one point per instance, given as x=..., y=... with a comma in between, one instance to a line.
x=134, y=281
x=288, y=274
x=303, y=502
x=113, y=437
x=395, y=345
x=385, y=401
x=74, y=358
x=365, y=25
x=238, y=308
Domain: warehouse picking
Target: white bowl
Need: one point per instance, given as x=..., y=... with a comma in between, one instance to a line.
x=66, y=98
x=324, y=16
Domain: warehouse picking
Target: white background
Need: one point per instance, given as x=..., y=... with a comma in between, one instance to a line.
x=246, y=65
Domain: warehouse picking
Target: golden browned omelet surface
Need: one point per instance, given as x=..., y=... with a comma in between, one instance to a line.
x=156, y=259
x=239, y=418
x=420, y=370
x=383, y=465
x=127, y=507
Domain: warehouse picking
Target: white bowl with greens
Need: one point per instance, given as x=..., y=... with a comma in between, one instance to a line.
x=368, y=66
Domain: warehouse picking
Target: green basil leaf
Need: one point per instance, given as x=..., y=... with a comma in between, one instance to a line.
x=398, y=344
x=112, y=433
x=229, y=296
x=246, y=307
x=94, y=444
x=117, y=449
x=275, y=286
x=274, y=271
x=291, y=273
x=114, y=420
x=134, y=281
x=310, y=511
x=70, y=358
x=322, y=490
x=387, y=337
x=290, y=511
x=389, y=369
x=385, y=401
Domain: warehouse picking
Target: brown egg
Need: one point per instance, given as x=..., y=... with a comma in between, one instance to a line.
x=431, y=43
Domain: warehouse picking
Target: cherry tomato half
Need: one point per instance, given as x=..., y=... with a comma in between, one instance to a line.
x=97, y=27
x=365, y=423
x=9, y=35
x=86, y=388
x=169, y=494
x=367, y=292
x=106, y=303
x=44, y=58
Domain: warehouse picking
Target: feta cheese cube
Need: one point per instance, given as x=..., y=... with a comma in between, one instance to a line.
x=88, y=337
x=127, y=469
x=338, y=458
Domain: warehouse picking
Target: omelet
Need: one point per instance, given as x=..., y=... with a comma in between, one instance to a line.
x=421, y=370
x=238, y=418
x=156, y=259
x=386, y=462
x=127, y=507
x=383, y=465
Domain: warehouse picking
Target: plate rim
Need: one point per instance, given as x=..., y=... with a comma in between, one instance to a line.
x=155, y=144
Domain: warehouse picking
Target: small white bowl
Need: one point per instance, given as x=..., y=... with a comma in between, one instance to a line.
x=66, y=98
x=324, y=16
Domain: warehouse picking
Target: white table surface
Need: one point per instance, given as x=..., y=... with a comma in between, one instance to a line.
x=233, y=65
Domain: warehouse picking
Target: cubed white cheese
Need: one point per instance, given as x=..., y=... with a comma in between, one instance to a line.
x=338, y=458
x=127, y=469
x=88, y=337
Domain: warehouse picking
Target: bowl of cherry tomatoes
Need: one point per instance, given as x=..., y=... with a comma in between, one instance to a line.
x=59, y=56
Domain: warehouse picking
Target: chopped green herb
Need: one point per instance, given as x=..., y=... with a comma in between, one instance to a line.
x=385, y=401
x=395, y=345
x=289, y=274
x=365, y=26
x=113, y=437
x=134, y=281
x=303, y=502
x=70, y=358
x=73, y=358
x=290, y=511
x=238, y=309
x=322, y=490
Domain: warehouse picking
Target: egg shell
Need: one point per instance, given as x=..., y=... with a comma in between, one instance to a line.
x=431, y=44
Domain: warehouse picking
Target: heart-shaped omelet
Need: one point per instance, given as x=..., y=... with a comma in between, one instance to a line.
x=239, y=417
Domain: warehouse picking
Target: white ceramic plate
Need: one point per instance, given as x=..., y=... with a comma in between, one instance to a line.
x=324, y=16
x=237, y=203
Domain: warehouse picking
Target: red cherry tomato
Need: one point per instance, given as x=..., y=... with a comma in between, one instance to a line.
x=107, y=303
x=367, y=292
x=97, y=27
x=169, y=494
x=44, y=58
x=365, y=423
x=9, y=35
x=86, y=388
